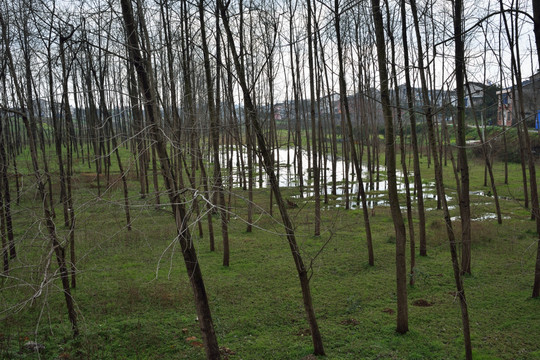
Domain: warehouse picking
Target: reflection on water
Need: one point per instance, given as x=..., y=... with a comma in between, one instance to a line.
x=486, y=216
x=287, y=172
x=286, y=169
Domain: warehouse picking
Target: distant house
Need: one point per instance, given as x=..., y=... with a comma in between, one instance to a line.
x=415, y=92
x=43, y=108
x=280, y=112
x=330, y=100
x=504, y=111
x=507, y=111
x=437, y=97
x=476, y=95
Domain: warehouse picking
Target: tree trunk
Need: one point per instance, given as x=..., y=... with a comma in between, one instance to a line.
x=3, y=234
x=414, y=138
x=463, y=166
x=536, y=286
x=349, y=130
x=70, y=134
x=144, y=71
x=214, y=133
x=268, y=164
x=402, y=150
x=399, y=226
x=315, y=165
x=51, y=228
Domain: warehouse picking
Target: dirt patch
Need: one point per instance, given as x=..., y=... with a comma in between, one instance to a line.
x=193, y=341
x=350, y=321
x=225, y=352
x=422, y=303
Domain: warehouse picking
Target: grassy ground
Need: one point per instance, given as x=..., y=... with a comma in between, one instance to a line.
x=135, y=302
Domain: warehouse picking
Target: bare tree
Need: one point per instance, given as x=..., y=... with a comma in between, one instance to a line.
x=349, y=132
x=402, y=147
x=57, y=248
x=268, y=162
x=214, y=133
x=315, y=165
x=146, y=83
x=399, y=225
x=463, y=166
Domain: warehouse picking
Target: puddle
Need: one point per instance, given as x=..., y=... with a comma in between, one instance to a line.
x=286, y=171
x=486, y=216
x=288, y=176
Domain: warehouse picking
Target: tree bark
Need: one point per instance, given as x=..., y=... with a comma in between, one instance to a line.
x=51, y=228
x=414, y=138
x=350, y=136
x=214, y=133
x=264, y=154
x=463, y=166
x=144, y=72
x=399, y=225
x=315, y=165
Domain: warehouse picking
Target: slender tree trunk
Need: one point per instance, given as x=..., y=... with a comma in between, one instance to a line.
x=315, y=165
x=295, y=72
x=70, y=134
x=214, y=133
x=138, y=125
x=189, y=103
x=144, y=71
x=3, y=233
x=349, y=130
x=414, y=138
x=268, y=163
x=536, y=286
x=155, y=180
x=41, y=138
x=57, y=140
x=536, y=15
x=402, y=150
x=6, y=204
x=464, y=201
x=51, y=228
x=399, y=226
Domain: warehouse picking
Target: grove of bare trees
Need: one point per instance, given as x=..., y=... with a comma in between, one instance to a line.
x=218, y=112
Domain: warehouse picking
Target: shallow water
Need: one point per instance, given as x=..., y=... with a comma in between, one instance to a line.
x=288, y=176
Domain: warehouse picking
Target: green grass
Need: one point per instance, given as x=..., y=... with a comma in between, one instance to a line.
x=134, y=299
